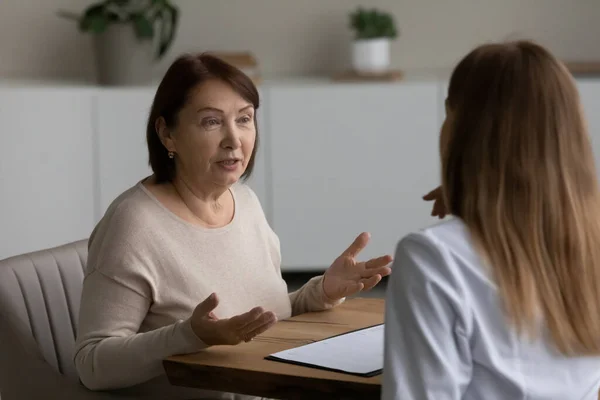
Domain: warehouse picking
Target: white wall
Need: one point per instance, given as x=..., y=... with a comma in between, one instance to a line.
x=301, y=37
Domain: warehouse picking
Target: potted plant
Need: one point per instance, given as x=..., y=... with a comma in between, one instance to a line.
x=129, y=35
x=374, y=30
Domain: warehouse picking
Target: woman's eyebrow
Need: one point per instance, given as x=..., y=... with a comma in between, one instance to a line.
x=210, y=109
x=249, y=106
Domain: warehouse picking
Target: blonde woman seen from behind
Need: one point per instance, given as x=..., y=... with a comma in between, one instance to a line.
x=503, y=301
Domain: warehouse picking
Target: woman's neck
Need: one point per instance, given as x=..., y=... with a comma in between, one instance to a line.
x=212, y=207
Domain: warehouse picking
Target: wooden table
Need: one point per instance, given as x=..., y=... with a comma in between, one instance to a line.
x=243, y=369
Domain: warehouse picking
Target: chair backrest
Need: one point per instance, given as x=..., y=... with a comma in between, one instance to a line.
x=39, y=297
x=39, y=307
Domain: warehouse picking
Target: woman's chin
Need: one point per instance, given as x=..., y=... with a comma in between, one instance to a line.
x=227, y=179
x=224, y=176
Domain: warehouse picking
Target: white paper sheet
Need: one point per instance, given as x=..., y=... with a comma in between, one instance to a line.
x=359, y=352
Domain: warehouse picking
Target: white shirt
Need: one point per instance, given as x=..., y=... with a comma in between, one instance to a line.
x=446, y=336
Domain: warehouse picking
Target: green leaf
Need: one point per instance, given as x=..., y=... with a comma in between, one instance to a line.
x=372, y=23
x=98, y=24
x=143, y=26
x=161, y=14
x=169, y=21
x=118, y=3
x=94, y=19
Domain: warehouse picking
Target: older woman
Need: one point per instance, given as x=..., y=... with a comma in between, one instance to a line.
x=185, y=259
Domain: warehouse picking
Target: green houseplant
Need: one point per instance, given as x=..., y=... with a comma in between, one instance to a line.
x=373, y=32
x=129, y=35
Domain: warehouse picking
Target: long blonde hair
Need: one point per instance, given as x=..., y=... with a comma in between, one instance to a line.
x=518, y=169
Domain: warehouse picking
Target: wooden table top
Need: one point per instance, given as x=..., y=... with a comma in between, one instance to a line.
x=243, y=369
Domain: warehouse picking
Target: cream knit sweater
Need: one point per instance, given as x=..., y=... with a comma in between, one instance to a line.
x=147, y=270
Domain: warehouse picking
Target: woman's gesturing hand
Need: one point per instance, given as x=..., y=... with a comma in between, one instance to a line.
x=229, y=331
x=439, y=208
x=346, y=276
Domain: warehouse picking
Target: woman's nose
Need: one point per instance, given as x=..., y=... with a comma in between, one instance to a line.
x=232, y=137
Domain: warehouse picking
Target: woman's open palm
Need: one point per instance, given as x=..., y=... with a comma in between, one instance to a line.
x=229, y=331
x=347, y=276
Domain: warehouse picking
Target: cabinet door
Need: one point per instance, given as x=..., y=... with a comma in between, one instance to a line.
x=122, y=153
x=122, y=116
x=589, y=90
x=347, y=159
x=46, y=168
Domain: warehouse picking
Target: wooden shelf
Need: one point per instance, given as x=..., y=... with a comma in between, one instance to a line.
x=584, y=68
x=354, y=76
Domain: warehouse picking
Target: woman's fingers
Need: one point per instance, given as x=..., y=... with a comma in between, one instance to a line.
x=257, y=327
x=369, y=273
x=208, y=305
x=371, y=282
x=432, y=195
x=439, y=210
x=261, y=329
x=266, y=318
x=357, y=245
x=352, y=287
x=239, y=321
x=378, y=262
x=244, y=326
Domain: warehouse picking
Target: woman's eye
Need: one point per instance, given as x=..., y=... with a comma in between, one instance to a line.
x=210, y=122
x=246, y=119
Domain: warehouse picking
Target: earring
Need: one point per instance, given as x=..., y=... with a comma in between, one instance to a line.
x=171, y=154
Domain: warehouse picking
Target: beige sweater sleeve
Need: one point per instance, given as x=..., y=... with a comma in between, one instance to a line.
x=110, y=354
x=110, y=351
x=311, y=297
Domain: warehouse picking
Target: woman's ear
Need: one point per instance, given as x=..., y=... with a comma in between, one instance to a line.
x=164, y=134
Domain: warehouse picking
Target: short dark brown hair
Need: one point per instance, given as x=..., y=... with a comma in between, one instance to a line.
x=187, y=72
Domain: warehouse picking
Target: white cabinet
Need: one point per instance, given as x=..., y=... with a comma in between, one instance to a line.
x=46, y=168
x=347, y=159
x=121, y=152
x=334, y=160
x=589, y=90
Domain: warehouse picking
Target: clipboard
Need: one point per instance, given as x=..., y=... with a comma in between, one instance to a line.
x=332, y=353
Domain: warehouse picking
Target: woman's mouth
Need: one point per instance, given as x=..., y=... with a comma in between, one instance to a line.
x=230, y=164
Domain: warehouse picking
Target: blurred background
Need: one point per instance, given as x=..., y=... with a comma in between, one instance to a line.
x=352, y=101
x=307, y=37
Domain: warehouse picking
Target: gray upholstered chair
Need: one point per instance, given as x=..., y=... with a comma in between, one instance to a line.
x=39, y=305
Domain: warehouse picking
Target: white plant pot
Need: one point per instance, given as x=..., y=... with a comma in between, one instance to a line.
x=121, y=58
x=371, y=55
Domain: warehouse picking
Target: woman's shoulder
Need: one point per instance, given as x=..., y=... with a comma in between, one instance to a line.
x=445, y=250
x=128, y=218
x=451, y=234
x=124, y=238
x=131, y=207
x=249, y=203
x=244, y=191
x=246, y=198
